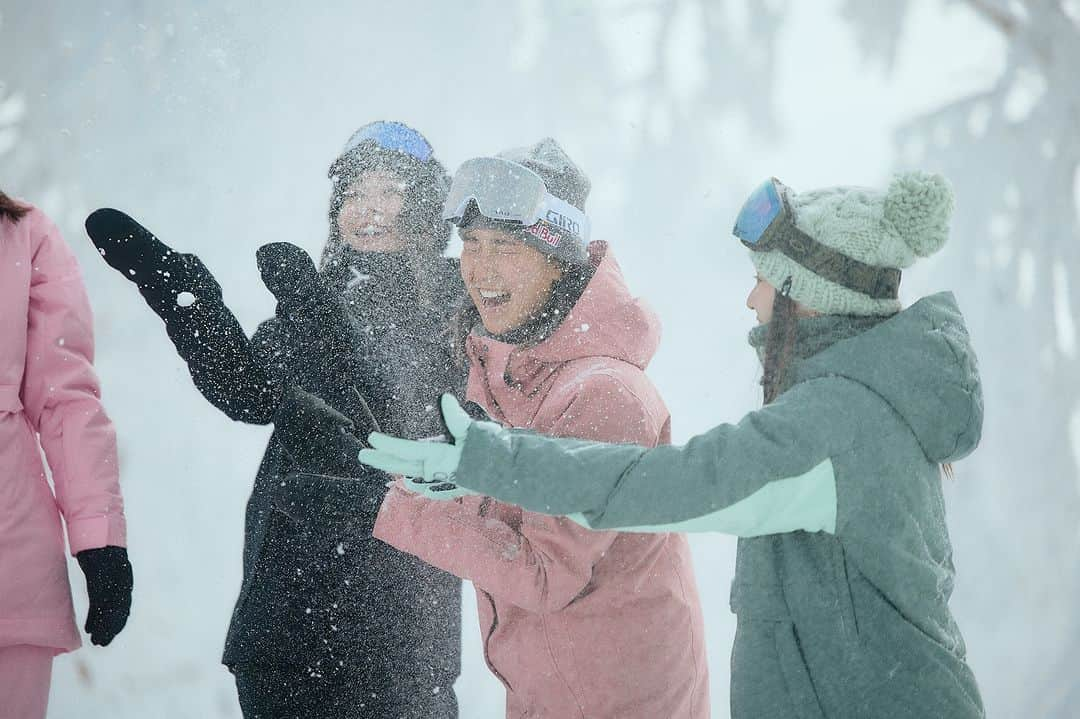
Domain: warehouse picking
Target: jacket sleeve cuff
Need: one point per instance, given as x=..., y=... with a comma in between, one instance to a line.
x=485, y=458
x=95, y=532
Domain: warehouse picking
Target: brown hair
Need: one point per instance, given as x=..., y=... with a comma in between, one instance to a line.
x=11, y=209
x=461, y=325
x=779, y=346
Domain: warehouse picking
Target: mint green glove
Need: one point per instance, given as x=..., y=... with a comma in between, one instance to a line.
x=429, y=468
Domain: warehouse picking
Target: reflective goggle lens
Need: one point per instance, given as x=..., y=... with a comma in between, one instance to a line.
x=502, y=190
x=758, y=213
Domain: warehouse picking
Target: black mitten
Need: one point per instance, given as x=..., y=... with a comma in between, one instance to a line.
x=185, y=295
x=328, y=481
x=318, y=438
x=108, y=583
x=290, y=274
x=161, y=273
x=323, y=338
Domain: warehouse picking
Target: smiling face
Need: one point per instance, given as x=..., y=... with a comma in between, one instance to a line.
x=508, y=280
x=368, y=218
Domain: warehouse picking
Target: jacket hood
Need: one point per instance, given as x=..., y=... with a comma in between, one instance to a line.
x=607, y=321
x=922, y=363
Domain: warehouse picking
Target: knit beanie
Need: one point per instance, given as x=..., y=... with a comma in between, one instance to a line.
x=564, y=180
x=891, y=229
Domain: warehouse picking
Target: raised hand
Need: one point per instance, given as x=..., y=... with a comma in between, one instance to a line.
x=323, y=341
x=184, y=294
x=288, y=272
x=160, y=272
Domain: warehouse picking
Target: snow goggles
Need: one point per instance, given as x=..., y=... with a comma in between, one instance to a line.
x=509, y=192
x=766, y=223
x=392, y=136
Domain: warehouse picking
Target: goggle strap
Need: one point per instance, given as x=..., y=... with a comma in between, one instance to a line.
x=576, y=222
x=552, y=210
x=879, y=283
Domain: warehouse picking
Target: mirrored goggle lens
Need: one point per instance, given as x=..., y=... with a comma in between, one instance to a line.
x=502, y=190
x=758, y=213
x=392, y=136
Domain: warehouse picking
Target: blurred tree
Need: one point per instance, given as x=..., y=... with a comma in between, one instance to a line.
x=1013, y=154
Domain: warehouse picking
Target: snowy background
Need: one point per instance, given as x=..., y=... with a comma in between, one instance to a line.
x=214, y=123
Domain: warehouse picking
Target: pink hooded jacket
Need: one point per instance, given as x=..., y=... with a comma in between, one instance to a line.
x=48, y=392
x=575, y=623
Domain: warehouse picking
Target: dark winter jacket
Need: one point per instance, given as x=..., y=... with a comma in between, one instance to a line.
x=321, y=588
x=318, y=591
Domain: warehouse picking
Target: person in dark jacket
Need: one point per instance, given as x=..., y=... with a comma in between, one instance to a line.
x=329, y=622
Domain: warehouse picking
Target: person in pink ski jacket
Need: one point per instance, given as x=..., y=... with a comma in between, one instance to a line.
x=575, y=623
x=49, y=398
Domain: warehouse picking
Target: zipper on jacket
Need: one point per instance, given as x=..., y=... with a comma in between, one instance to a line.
x=487, y=639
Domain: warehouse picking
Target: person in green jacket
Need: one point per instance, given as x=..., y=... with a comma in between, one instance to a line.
x=834, y=487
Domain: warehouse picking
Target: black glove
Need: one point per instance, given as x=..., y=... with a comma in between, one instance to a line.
x=108, y=583
x=323, y=339
x=289, y=273
x=473, y=410
x=206, y=334
x=160, y=272
x=318, y=438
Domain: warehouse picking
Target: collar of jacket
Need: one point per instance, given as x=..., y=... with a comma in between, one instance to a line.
x=814, y=335
x=606, y=322
x=382, y=290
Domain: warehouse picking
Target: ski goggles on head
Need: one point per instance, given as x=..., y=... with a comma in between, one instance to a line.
x=392, y=136
x=509, y=192
x=766, y=223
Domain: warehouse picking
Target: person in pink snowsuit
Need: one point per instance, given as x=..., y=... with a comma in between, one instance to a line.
x=50, y=400
x=575, y=623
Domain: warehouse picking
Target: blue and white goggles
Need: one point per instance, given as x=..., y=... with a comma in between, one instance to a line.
x=766, y=223
x=392, y=136
x=509, y=192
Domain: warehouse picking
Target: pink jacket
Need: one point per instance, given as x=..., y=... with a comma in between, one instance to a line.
x=575, y=623
x=48, y=393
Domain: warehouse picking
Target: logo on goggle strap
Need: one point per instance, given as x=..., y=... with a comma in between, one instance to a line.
x=563, y=222
x=542, y=231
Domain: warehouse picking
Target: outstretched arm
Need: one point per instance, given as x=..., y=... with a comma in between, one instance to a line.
x=185, y=295
x=772, y=472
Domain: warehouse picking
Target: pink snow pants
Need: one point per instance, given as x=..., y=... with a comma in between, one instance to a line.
x=25, y=675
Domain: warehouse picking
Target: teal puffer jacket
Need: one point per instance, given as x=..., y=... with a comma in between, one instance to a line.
x=844, y=567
